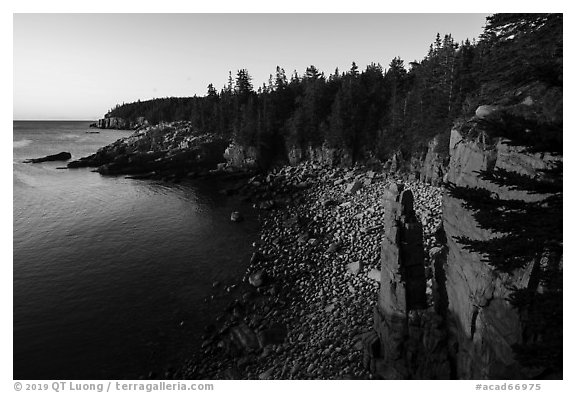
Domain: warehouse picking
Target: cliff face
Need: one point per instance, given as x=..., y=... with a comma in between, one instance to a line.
x=241, y=157
x=433, y=169
x=428, y=166
x=483, y=325
x=119, y=123
x=322, y=155
x=469, y=327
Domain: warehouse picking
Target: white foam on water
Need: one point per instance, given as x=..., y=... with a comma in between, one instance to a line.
x=21, y=143
x=69, y=136
x=24, y=179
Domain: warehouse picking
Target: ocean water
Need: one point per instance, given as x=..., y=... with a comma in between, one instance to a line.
x=110, y=274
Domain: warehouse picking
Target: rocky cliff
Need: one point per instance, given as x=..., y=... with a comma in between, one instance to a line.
x=170, y=149
x=324, y=155
x=483, y=324
x=469, y=328
x=118, y=123
x=151, y=142
x=428, y=166
x=433, y=169
x=250, y=157
x=241, y=157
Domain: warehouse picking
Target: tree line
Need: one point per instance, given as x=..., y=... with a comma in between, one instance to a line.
x=379, y=111
x=373, y=112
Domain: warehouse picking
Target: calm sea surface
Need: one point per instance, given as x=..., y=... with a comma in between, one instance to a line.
x=110, y=274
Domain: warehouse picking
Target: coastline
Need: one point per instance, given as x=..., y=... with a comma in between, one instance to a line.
x=305, y=307
x=123, y=229
x=306, y=301
x=305, y=304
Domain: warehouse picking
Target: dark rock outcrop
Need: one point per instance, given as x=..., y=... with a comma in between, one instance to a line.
x=241, y=157
x=236, y=217
x=118, y=123
x=470, y=328
x=113, y=122
x=409, y=340
x=324, y=155
x=433, y=170
x=172, y=148
x=250, y=157
x=63, y=156
x=483, y=323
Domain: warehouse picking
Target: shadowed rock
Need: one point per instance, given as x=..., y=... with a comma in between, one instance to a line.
x=408, y=340
x=172, y=149
x=63, y=156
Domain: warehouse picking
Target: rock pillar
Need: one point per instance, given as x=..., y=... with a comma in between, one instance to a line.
x=408, y=334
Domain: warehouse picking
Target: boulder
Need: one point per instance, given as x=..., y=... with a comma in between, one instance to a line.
x=528, y=101
x=353, y=267
x=311, y=368
x=352, y=188
x=257, y=279
x=295, y=368
x=329, y=202
x=303, y=238
x=375, y=274
x=236, y=216
x=484, y=111
x=266, y=374
x=372, y=229
x=434, y=251
x=334, y=247
x=313, y=242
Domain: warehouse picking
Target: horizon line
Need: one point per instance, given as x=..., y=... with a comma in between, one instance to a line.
x=55, y=119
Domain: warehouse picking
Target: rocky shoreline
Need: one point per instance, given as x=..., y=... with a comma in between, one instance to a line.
x=170, y=151
x=307, y=299
x=311, y=305
x=305, y=306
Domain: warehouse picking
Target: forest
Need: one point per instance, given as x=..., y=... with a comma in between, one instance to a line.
x=377, y=111
x=380, y=111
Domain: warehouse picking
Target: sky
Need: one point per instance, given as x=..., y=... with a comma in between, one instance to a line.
x=78, y=66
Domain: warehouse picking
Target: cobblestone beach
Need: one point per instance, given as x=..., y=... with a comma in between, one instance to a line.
x=309, y=292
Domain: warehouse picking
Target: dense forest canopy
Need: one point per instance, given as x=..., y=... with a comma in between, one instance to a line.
x=377, y=111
